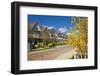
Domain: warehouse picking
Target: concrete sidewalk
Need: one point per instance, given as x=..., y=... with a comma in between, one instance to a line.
x=66, y=55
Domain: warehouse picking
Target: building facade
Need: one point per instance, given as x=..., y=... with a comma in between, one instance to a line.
x=40, y=34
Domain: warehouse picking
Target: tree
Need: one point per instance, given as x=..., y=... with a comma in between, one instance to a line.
x=78, y=37
x=46, y=35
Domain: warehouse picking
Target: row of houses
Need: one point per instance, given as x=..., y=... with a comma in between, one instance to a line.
x=39, y=34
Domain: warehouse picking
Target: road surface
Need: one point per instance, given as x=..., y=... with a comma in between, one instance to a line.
x=59, y=52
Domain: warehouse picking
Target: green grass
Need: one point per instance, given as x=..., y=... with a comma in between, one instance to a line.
x=39, y=49
x=40, y=46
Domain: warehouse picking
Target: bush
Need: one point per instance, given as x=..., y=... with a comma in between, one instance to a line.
x=36, y=46
x=50, y=45
x=33, y=47
x=53, y=44
x=41, y=45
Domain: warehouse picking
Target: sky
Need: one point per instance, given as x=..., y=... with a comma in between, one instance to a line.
x=60, y=23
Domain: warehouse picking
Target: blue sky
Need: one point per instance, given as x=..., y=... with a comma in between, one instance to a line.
x=60, y=23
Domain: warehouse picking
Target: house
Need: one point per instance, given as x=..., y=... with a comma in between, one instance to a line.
x=40, y=34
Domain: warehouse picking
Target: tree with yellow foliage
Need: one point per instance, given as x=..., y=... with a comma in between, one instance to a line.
x=78, y=37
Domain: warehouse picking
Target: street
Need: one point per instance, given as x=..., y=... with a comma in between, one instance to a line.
x=59, y=52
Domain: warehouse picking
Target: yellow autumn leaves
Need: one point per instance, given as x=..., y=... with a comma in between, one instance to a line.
x=78, y=38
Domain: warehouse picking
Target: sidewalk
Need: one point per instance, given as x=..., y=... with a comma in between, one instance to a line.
x=66, y=55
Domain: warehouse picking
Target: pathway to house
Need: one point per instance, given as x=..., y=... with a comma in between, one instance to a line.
x=59, y=52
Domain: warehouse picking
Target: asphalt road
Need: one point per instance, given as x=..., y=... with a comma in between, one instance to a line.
x=49, y=54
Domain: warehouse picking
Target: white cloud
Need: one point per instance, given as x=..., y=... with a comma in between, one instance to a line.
x=44, y=26
x=51, y=27
x=62, y=30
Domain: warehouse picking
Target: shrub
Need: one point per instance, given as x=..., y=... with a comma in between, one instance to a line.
x=33, y=47
x=41, y=45
x=36, y=46
x=53, y=44
x=50, y=45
